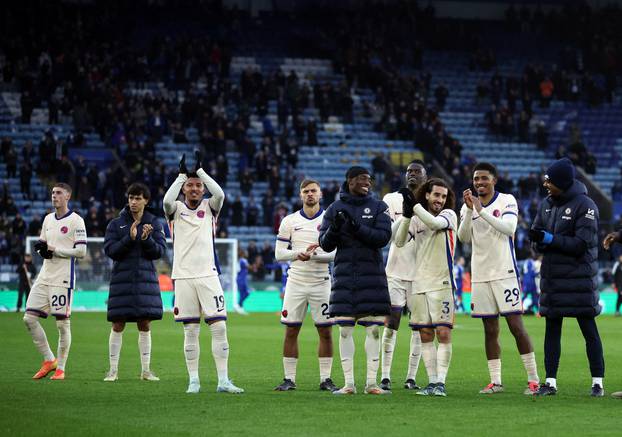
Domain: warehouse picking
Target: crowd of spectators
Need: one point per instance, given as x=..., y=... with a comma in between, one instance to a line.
x=134, y=94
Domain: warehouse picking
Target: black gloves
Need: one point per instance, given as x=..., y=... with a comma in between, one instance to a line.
x=408, y=203
x=344, y=218
x=540, y=236
x=340, y=220
x=182, y=165
x=41, y=247
x=198, y=158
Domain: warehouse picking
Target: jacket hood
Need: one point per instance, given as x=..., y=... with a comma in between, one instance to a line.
x=576, y=189
x=347, y=197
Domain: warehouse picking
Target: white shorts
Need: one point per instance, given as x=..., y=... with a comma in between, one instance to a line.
x=494, y=298
x=299, y=296
x=432, y=309
x=363, y=321
x=47, y=300
x=400, y=292
x=198, y=297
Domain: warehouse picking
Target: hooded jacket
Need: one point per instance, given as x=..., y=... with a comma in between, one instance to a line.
x=134, y=288
x=570, y=262
x=359, y=281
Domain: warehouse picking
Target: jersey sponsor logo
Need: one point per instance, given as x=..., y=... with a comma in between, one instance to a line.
x=367, y=216
x=566, y=217
x=64, y=229
x=496, y=213
x=200, y=213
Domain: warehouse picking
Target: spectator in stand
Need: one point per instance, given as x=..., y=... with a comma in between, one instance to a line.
x=546, y=92
x=441, y=93
x=10, y=158
x=26, y=271
x=25, y=176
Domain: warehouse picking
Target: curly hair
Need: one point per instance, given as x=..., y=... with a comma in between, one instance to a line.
x=450, y=203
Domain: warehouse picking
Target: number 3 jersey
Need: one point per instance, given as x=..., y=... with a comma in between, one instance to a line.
x=193, y=230
x=433, y=252
x=65, y=232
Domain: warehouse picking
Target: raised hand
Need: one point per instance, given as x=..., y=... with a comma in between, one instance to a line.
x=610, y=239
x=182, y=165
x=134, y=230
x=147, y=230
x=467, y=195
x=198, y=158
x=408, y=202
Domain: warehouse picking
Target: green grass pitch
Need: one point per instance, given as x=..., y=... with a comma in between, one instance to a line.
x=85, y=405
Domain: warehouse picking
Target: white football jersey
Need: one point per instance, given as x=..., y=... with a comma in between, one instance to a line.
x=434, y=254
x=400, y=262
x=300, y=232
x=193, y=230
x=493, y=255
x=65, y=232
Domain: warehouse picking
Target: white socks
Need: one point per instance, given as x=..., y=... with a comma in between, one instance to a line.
x=64, y=342
x=372, y=350
x=443, y=358
x=428, y=352
x=144, y=347
x=529, y=361
x=38, y=336
x=346, y=352
x=414, y=356
x=389, y=336
x=192, y=349
x=289, y=367
x=326, y=365
x=114, y=348
x=598, y=381
x=552, y=382
x=220, y=350
x=494, y=368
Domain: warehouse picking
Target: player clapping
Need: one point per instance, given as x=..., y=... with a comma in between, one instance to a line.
x=198, y=292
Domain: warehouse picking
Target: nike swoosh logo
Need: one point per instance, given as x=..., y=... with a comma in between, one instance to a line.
x=124, y=226
x=514, y=304
x=220, y=310
x=183, y=213
x=420, y=232
x=297, y=229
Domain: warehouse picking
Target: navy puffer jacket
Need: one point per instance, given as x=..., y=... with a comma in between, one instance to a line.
x=570, y=262
x=134, y=288
x=359, y=280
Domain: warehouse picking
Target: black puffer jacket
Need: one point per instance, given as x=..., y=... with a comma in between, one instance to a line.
x=360, y=283
x=570, y=263
x=134, y=288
